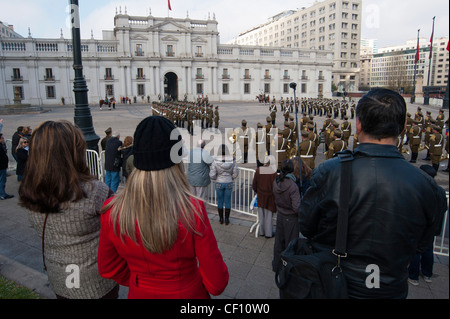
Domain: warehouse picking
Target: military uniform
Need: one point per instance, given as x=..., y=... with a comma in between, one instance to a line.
x=346, y=129
x=336, y=146
x=416, y=138
x=440, y=119
x=269, y=134
x=287, y=134
x=436, y=146
x=419, y=117
x=260, y=139
x=243, y=139
x=216, y=118
x=282, y=149
x=409, y=122
x=308, y=150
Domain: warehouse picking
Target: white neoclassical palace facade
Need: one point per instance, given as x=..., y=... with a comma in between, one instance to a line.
x=149, y=57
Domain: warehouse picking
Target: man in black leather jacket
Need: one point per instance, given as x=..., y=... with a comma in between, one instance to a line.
x=395, y=208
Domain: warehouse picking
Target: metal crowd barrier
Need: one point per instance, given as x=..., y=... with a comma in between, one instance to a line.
x=95, y=164
x=441, y=242
x=242, y=196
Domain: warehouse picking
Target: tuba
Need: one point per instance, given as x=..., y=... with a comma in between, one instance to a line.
x=232, y=137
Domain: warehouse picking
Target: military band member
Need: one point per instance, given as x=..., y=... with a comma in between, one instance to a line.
x=409, y=122
x=419, y=117
x=416, y=138
x=346, y=128
x=273, y=115
x=269, y=133
x=243, y=139
x=436, y=146
x=429, y=123
x=329, y=133
x=308, y=150
x=260, y=139
x=282, y=148
x=440, y=119
x=216, y=118
x=314, y=137
x=336, y=146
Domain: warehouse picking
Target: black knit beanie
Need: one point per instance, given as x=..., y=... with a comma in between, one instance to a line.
x=152, y=147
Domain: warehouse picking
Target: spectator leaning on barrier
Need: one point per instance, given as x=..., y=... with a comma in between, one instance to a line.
x=262, y=185
x=394, y=207
x=198, y=170
x=224, y=171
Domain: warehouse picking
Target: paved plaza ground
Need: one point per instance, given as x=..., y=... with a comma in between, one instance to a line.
x=248, y=258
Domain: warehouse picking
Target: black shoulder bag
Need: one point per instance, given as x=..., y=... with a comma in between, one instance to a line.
x=310, y=270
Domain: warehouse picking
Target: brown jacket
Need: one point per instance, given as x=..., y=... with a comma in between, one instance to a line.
x=263, y=187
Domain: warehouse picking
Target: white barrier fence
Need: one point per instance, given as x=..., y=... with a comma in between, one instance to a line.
x=243, y=195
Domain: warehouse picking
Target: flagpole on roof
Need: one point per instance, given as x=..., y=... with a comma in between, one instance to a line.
x=426, y=100
x=416, y=59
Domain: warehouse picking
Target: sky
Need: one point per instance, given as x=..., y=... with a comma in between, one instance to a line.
x=392, y=22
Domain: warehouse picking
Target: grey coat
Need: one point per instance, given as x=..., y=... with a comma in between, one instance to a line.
x=199, y=167
x=224, y=170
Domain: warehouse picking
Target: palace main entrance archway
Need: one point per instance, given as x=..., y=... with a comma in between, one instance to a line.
x=171, y=86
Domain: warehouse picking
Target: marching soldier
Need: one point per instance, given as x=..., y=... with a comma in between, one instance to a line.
x=260, y=139
x=329, y=133
x=287, y=134
x=216, y=118
x=346, y=129
x=210, y=115
x=314, y=137
x=307, y=150
x=273, y=114
x=414, y=143
x=269, y=135
x=429, y=123
x=436, y=146
x=336, y=146
x=409, y=122
x=282, y=148
x=419, y=117
x=243, y=138
x=440, y=119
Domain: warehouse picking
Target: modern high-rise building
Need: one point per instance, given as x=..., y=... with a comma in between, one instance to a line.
x=394, y=66
x=327, y=25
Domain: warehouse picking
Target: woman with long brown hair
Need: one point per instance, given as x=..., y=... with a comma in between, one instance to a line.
x=64, y=202
x=156, y=237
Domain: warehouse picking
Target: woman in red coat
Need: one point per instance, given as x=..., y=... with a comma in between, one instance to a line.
x=155, y=238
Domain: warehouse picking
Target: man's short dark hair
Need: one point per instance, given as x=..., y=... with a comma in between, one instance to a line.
x=382, y=113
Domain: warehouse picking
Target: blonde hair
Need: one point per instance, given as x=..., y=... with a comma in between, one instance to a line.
x=145, y=204
x=21, y=141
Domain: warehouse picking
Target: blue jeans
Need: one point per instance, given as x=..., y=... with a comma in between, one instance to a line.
x=2, y=181
x=224, y=195
x=112, y=180
x=422, y=263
